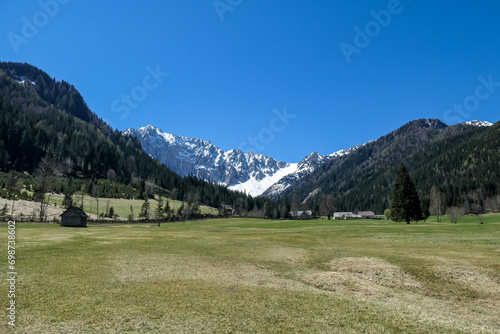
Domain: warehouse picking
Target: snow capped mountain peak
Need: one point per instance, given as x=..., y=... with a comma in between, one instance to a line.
x=311, y=162
x=253, y=173
x=152, y=131
x=343, y=152
x=150, y=128
x=479, y=123
x=313, y=155
x=250, y=172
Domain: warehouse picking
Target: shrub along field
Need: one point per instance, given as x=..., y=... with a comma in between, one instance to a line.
x=258, y=276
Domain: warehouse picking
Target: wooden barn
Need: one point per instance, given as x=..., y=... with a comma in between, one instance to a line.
x=226, y=210
x=74, y=217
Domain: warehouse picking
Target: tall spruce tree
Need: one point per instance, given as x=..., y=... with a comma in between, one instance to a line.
x=159, y=213
x=405, y=200
x=145, y=208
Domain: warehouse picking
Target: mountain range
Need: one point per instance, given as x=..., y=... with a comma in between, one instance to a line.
x=254, y=174
x=44, y=120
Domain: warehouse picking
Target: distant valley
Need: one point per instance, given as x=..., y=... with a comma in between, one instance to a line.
x=256, y=174
x=252, y=173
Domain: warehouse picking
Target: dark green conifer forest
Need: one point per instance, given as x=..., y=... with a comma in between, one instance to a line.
x=46, y=119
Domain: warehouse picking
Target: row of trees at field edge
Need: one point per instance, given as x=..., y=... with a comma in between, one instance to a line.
x=408, y=207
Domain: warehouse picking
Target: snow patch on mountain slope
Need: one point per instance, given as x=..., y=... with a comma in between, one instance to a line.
x=479, y=123
x=22, y=80
x=346, y=151
x=255, y=187
x=304, y=167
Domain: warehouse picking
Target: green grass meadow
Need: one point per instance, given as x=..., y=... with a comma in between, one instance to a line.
x=257, y=276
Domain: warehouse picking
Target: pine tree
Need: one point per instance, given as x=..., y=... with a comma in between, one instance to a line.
x=131, y=214
x=424, y=207
x=67, y=201
x=295, y=205
x=166, y=210
x=405, y=200
x=145, y=209
x=159, y=213
x=323, y=209
x=111, y=213
x=330, y=206
x=284, y=209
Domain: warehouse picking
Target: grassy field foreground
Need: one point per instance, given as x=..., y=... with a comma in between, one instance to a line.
x=257, y=276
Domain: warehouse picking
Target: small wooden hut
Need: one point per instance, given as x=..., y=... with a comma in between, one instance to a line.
x=74, y=217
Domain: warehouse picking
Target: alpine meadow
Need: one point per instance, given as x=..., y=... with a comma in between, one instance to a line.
x=249, y=167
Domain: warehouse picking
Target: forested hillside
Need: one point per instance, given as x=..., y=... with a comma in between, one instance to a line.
x=45, y=120
x=61, y=95
x=461, y=160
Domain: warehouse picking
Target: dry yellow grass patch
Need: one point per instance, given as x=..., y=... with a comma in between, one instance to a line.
x=378, y=281
x=286, y=255
x=119, y=325
x=29, y=208
x=473, y=277
x=173, y=267
x=364, y=278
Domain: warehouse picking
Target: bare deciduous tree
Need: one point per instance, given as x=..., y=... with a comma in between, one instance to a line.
x=455, y=213
x=95, y=194
x=436, y=206
x=46, y=169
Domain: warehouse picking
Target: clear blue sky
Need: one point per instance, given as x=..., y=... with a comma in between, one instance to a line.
x=225, y=77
